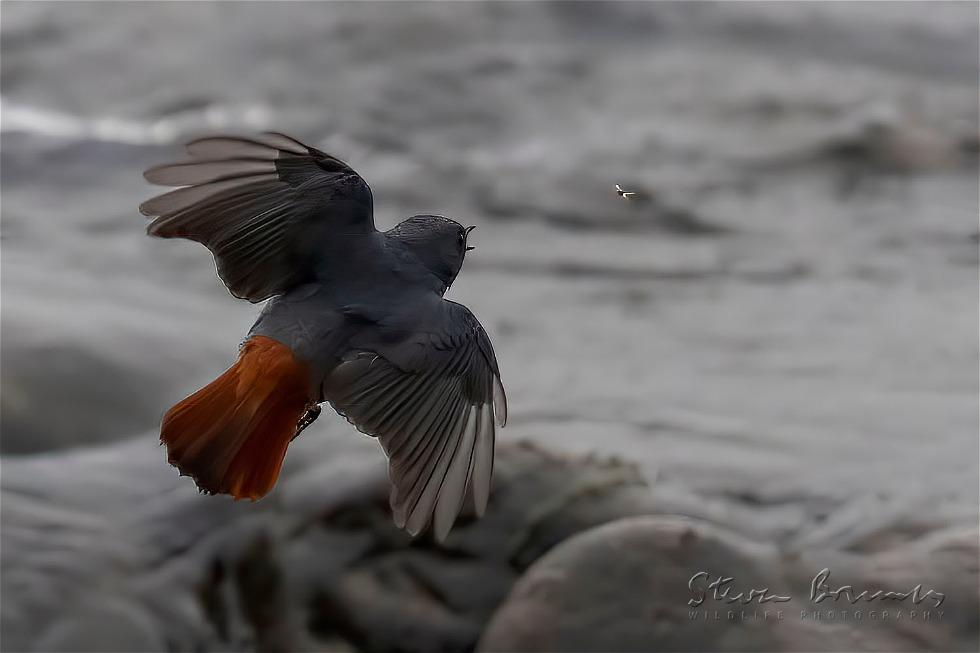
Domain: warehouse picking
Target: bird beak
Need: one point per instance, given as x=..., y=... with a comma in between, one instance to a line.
x=468, y=230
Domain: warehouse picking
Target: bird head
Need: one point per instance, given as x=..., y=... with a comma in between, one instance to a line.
x=439, y=243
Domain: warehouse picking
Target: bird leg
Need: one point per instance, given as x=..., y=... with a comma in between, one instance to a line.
x=311, y=414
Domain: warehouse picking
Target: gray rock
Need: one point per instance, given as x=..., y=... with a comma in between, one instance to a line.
x=624, y=586
x=107, y=549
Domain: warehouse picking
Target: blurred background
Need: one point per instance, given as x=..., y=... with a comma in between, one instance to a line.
x=777, y=335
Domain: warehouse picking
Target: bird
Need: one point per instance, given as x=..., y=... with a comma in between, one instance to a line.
x=353, y=317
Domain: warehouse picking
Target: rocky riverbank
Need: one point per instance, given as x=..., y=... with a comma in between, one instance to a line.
x=108, y=549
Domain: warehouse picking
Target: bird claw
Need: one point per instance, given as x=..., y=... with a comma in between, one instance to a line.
x=308, y=418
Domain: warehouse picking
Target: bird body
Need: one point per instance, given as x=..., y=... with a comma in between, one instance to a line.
x=356, y=318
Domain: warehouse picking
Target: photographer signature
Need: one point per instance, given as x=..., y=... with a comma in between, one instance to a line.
x=721, y=589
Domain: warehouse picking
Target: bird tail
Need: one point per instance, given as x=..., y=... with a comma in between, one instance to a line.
x=231, y=435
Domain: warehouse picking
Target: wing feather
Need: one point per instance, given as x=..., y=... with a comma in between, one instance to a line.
x=452, y=487
x=223, y=146
x=431, y=400
x=482, y=470
x=426, y=492
x=412, y=477
x=499, y=402
x=206, y=172
x=268, y=207
x=183, y=198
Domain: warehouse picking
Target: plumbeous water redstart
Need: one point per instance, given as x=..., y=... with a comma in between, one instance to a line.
x=356, y=318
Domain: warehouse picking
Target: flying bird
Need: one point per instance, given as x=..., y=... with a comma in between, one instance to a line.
x=356, y=318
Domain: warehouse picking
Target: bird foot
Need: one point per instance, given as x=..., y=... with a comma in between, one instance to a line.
x=307, y=419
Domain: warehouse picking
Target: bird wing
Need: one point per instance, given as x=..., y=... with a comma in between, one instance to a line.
x=265, y=206
x=432, y=401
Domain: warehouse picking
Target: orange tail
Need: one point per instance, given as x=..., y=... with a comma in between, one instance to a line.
x=231, y=435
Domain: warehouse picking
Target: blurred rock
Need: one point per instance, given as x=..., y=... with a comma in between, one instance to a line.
x=46, y=390
x=112, y=535
x=624, y=586
x=883, y=139
x=891, y=143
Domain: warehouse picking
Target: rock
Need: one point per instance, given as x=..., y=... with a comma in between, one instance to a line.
x=625, y=586
x=131, y=629
x=37, y=379
x=621, y=587
x=891, y=145
x=568, y=557
x=112, y=535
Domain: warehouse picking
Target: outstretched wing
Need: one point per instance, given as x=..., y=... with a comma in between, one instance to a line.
x=432, y=401
x=265, y=206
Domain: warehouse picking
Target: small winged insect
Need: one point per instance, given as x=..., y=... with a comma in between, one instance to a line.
x=625, y=194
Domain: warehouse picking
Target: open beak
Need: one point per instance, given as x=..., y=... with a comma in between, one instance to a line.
x=468, y=230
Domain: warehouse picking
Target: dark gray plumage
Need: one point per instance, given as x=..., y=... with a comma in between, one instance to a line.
x=363, y=309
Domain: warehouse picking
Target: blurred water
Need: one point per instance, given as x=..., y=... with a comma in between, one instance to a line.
x=786, y=327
